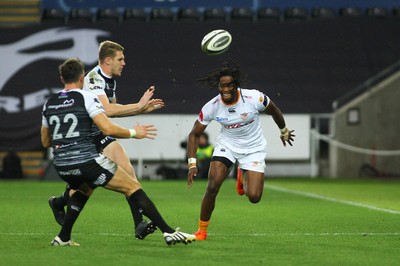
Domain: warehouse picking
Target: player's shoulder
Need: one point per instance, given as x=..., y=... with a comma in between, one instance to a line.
x=93, y=80
x=251, y=94
x=94, y=75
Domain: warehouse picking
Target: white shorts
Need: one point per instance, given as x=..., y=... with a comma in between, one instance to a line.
x=251, y=161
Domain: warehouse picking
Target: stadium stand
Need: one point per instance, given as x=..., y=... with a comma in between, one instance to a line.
x=295, y=14
x=268, y=14
x=215, y=15
x=32, y=162
x=20, y=13
x=162, y=15
x=134, y=15
x=242, y=14
x=54, y=16
x=323, y=13
x=189, y=14
x=108, y=15
x=81, y=16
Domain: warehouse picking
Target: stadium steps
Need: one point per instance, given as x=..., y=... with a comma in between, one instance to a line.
x=32, y=163
x=19, y=13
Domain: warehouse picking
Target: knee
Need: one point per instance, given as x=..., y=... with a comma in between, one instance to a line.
x=254, y=197
x=212, y=191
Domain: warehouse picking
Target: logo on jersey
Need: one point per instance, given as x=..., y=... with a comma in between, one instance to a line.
x=76, y=172
x=244, y=116
x=238, y=125
x=232, y=110
x=221, y=119
x=100, y=180
x=66, y=103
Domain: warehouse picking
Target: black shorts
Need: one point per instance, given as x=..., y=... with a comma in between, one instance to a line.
x=94, y=173
x=223, y=160
x=102, y=142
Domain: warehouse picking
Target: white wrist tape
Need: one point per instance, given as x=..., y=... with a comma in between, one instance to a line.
x=192, y=161
x=284, y=130
x=133, y=132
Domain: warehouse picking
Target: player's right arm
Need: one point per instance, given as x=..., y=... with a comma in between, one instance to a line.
x=45, y=137
x=192, y=145
x=111, y=129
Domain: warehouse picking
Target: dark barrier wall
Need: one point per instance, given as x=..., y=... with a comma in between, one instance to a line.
x=303, y=67
x=220, y=3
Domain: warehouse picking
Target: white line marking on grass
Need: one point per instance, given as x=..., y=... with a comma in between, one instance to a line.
x=312, y=234
x=316, y=196
x=217, y=234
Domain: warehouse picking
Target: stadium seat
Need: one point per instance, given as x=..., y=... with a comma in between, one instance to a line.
x=189, y=14
x=323, y=13
x=54, y=16
x=242, y=14
x=162, y=15
x=396, y=12
x=350, y=12
x=215, y=15
x=295, y=14
x=108, y=15
x=80, y=15
x=377, y=12
x=133, y=15
x=268, y=14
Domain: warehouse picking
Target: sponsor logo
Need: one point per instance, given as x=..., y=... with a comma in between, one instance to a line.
x=75, y=172
x=232, y=110
x=238, y=125
x=221, y=42
x=221, y=119
x=66, y=103
x=100, y=180
x=243, y=116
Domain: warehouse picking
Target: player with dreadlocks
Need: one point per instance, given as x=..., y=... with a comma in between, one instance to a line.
x=241, y=138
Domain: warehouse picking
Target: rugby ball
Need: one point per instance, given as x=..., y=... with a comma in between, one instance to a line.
x=216, y=42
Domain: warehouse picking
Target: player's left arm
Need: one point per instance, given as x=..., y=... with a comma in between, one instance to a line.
x=286, y=134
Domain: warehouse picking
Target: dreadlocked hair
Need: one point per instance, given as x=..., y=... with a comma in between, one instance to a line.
x=227, y=69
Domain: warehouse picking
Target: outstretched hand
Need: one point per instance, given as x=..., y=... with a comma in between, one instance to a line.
x=287, y=136
x=144, y=101
x=154, y=104
x=145, y=131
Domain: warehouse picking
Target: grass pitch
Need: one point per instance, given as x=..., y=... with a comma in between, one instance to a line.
x=298, y=222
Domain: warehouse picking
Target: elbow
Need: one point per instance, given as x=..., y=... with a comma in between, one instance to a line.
x=108, y=132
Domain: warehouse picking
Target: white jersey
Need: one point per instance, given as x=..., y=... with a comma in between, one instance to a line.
x=97, y=82
x=241, y=129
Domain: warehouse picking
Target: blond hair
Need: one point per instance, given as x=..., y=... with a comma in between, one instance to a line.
x=108, y=49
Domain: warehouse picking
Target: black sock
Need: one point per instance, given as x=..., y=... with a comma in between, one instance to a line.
x=75, y=205
x=136, y=213
x=140, y=199
x=62, y=200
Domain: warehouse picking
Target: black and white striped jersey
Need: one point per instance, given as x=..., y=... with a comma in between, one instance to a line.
x=68, y=115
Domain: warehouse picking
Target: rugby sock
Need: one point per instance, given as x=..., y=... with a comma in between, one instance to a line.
x=75, y=205
x=203, y=225
x=136, y=213
x=62, y=201
x=140, y=199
